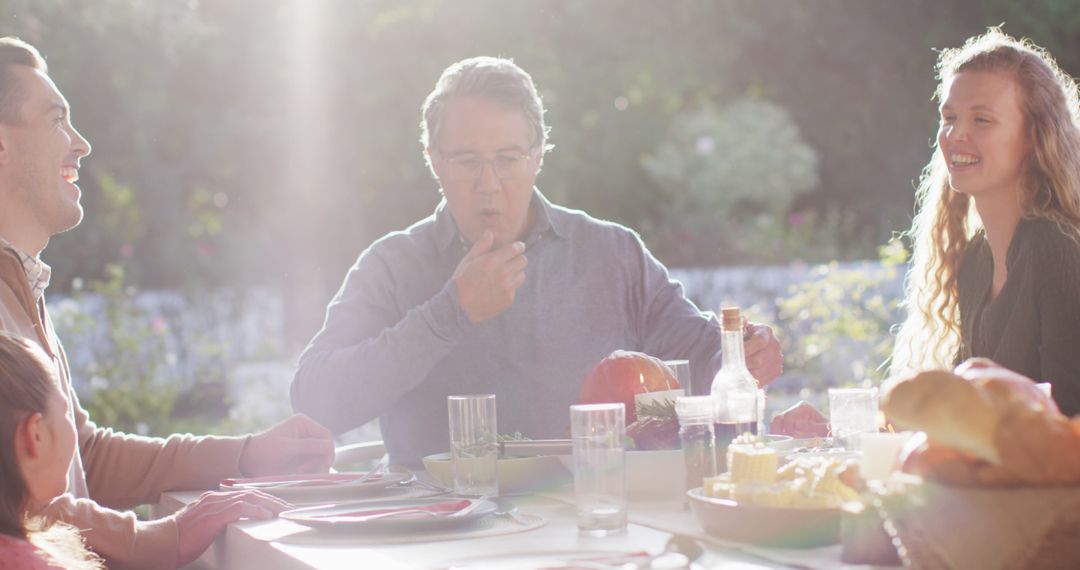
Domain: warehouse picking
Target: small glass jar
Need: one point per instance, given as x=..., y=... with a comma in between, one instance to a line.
x=697, y=437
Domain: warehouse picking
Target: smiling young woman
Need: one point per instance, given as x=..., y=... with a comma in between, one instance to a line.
x=996, y=264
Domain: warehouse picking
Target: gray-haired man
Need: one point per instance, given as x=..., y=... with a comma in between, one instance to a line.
x=499, y=291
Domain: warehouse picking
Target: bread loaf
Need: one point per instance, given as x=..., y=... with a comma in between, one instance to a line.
x=987, y=431
x=951, y=410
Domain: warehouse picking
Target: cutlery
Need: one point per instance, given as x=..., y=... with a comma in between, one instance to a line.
x=391, y=514
x=415, y=481
x=640, y=561
x=686, y=545
x=679, y=553
x=473, y=505
x=296, y=483
x=381, y=468
x=503, y=507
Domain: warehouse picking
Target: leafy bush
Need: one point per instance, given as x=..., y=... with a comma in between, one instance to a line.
x=728, y=179
x=125, y=368
x=837, y=326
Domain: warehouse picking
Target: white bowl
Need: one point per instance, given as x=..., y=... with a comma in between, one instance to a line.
x=517, y=475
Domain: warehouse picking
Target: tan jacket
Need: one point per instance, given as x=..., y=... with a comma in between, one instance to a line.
x=113, y=470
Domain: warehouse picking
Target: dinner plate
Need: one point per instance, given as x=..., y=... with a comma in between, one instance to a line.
x=308, y=487
x=350, y=516
x=766, y=526
x=566, y=560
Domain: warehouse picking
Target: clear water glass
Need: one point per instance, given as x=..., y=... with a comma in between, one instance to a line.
x=852, y=411
x=681, y=370
x=597, y=431
x=474, y=445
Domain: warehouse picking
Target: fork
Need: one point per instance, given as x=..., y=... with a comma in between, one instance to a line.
x=380, y=469
x=456, y=514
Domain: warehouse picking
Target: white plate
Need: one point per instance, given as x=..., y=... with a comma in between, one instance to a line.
x=323, y=487
x=344, y=516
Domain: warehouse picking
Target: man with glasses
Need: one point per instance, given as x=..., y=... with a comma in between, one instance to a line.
x=499, y=291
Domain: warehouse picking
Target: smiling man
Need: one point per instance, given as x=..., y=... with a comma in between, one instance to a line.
x=499, y=291
x=40, y=154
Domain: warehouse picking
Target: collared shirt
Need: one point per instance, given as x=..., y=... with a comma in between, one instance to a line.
x=37, y=271
x=396, y=342
x=1033, y=325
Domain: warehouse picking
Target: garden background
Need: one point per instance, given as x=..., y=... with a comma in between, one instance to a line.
x=246, y=151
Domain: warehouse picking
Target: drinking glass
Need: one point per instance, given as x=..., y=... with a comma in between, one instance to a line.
x=681, y=370
x=474, y=445
x=597, y=431
x=852, y=411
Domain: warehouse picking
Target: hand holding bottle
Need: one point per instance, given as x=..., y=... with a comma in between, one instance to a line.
x=763, y=356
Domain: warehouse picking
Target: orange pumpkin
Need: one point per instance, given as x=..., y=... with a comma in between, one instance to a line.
x=623, y=374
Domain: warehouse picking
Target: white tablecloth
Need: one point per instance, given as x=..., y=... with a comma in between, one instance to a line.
x=266, y=545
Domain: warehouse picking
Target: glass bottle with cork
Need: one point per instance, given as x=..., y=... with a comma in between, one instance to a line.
x=734, y=389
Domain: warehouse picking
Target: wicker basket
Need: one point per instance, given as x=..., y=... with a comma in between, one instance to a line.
x=941, y=527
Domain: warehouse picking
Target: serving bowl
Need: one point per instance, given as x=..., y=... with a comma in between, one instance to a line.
x=785, y=527
x=517, y=475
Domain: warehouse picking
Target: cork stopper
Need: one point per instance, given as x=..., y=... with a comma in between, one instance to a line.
x=732, y=319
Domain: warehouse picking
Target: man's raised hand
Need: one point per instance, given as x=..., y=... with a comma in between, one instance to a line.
x=488, y=277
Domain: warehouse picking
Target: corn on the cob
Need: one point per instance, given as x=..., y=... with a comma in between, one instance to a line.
x=719, y=487
x=752, y=464
x=804, y=483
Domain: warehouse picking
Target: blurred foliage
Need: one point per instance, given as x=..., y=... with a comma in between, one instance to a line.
x=269, y=141
x=726, y=173
x=841, y=321
x=132, y=381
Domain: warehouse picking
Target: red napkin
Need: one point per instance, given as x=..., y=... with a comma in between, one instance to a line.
x=443, y=508
x=310, y=479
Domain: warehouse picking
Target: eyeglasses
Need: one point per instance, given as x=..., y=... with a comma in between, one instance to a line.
x=507, y=166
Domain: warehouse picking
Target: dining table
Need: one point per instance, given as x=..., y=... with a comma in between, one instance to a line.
x=542, y=530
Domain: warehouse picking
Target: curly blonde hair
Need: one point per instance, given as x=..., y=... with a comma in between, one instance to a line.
x=946, y=221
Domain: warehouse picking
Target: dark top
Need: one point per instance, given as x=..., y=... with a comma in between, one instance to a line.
x=396, y=342
x=1033, y=326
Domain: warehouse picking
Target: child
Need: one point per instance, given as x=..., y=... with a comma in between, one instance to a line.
x=37, y=442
